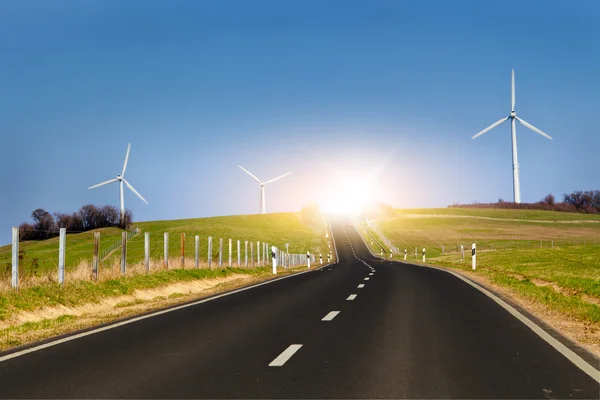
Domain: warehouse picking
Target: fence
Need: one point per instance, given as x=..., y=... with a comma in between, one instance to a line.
x=147, y=252
x=415, y=247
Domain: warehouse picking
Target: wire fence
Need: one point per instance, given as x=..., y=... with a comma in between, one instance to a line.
x=85, y=256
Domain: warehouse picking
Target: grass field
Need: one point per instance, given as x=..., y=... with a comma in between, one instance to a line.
x=547, y=257
x=42, y=257
x=41, y=308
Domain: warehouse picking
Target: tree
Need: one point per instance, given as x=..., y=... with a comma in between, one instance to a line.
x=43, y=223
x=549, y=199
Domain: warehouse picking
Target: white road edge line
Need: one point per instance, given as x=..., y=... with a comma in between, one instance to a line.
x=286, y=355
x=330, y=316
x=561, y=348
x=351, y=297
x=362, y=285
x=136, y=319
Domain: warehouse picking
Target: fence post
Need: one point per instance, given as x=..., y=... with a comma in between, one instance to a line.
x=230, y=251
x=123, y=253
x=220, y=252
x=252, y=253
x=182, y=249
x=239, y=255
x=147, y=251
x=287, y=255
x=166, y=250
x=210, y=252
x=246, y=253
x=96, y=259
x=258, y=254
x=197, y=251
x=474, y=256
x=15, y=258
x=61, y=256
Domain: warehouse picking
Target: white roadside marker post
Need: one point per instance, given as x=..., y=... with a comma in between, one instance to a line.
x=320, y=258
x=462, y=252
x=391, y=254
x=252, y=253
x=15, y=258
x=405, y=251
x=274, y=259
x=308, y=259
x=61, y=255
x=239, y=255
x=287, y=256
x=423, y=254
x=473, y=256
x=246, y=253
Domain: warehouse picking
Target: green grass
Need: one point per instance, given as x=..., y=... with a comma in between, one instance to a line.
x=42, y=256
x=555, y=264
x=280, y=228
x=503, y=213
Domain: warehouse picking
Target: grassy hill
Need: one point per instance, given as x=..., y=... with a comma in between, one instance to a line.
x=551, y=258
x=42, y=256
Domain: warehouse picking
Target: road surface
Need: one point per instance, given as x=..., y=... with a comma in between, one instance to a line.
x=359, y=329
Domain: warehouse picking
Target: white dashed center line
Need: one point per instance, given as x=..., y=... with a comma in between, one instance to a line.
x=371, y=274
x=351, y=297
x=362, y=285
x=330, y=316
x=286, y=355
x=367, y=278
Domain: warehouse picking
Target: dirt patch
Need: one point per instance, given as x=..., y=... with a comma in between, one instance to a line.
x=587, y=334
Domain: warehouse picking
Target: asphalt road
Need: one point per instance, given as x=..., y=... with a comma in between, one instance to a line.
x=408, y=332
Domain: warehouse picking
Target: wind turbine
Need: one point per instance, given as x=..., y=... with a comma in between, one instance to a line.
x=513, y=117
x=263, y=207
x=121, y=179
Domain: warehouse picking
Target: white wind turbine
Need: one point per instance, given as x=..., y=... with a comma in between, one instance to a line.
x=121, y=179
x=513, y=117
x=263, y=207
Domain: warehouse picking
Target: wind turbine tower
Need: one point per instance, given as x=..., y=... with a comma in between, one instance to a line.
x=121, y=179
x=263, y=206
x=513, y=117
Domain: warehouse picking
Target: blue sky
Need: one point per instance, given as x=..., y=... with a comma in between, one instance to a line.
x=386, y=90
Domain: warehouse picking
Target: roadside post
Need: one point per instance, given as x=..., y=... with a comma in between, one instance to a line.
x=462, y=252
x=197, y=251
x=405, y=251
x=146, y=251
x=274, y=259
x=423, y=254
x=15, y=258
x=308, y=259
x=210, y=252
x=96, y=259
x=473, y=256
x=61, y=255
x=166, y=249
x=123, y=254
x=320, y=258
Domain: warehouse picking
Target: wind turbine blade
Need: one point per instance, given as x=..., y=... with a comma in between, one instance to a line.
x=103, y=183
x=533, y=128
x=512, y=103
x=492, y=126
x=126, y=159
x=135, y=191
x=279, y=177
x=250, y=173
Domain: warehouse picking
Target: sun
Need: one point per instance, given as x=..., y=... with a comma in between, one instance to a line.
x=346, y=196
